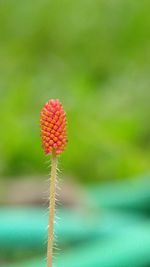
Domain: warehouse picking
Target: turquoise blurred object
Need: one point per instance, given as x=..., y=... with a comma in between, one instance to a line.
x=114, y=231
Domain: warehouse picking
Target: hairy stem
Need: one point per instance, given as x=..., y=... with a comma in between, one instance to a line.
x=51, y=210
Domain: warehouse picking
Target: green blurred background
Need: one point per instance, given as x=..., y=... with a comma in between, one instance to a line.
x=95, y=57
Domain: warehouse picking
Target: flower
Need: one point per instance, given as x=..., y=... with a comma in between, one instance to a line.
x=53, y=127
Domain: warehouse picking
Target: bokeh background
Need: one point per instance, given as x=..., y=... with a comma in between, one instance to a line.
x=95, y=57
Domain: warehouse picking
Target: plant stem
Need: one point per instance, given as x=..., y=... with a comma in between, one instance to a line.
x=51, y=210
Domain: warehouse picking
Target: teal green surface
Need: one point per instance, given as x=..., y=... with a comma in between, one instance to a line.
x=111, y=235
x=132, y=194
x=27, y=228
x=103, y=216
x=130, y=250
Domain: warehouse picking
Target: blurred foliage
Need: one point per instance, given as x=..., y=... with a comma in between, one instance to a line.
x=94, y=56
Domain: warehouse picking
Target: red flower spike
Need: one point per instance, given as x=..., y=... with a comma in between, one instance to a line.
x=53, y=127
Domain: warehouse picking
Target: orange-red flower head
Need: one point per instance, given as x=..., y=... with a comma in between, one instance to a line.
x=53, y=127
